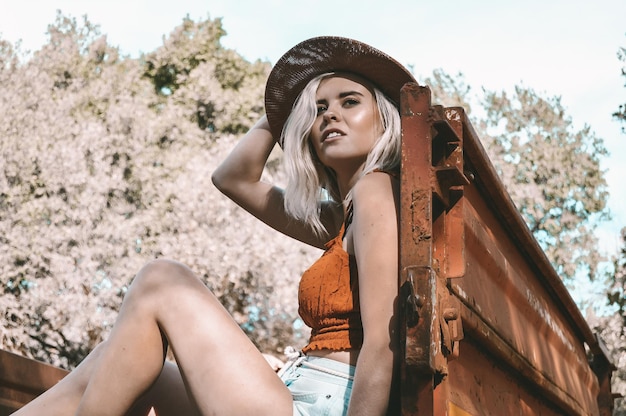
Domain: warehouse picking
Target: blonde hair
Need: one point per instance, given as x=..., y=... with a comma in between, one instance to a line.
x=309, y=182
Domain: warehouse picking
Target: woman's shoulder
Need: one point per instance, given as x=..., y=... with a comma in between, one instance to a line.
x=376, y=183
x=375, y=203
x=376, y=192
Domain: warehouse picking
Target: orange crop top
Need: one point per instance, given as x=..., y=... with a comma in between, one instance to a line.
x=328, y=300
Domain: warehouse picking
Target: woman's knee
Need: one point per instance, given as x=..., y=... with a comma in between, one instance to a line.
x=159, y=277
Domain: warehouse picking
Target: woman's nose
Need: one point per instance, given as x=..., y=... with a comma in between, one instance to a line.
x=330, y=114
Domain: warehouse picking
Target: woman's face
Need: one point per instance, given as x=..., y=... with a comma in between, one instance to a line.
x=347, y=124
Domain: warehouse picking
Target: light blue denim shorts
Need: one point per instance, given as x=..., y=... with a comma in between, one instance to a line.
x=319, y=386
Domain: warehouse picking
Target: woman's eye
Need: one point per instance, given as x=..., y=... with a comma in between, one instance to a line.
x=320, y=109
x=350, y=102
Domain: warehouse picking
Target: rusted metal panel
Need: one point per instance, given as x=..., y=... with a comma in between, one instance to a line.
x=431, y=180
x=416, y=252
x=516, y=315
x=489, y=325
x=480, y=385
x=517, y=294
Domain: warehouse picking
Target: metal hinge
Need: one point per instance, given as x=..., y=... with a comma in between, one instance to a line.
x=434, y=328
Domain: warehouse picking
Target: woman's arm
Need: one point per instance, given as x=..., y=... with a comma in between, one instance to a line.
x=239, y=178
x=375, y=245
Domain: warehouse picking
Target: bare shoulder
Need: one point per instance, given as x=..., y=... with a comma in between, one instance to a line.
x=376, y=189
x=375, y=202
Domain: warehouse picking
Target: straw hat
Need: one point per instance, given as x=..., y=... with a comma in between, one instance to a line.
x=319, y=55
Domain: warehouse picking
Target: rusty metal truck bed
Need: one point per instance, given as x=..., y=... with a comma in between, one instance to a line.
x=490, y=328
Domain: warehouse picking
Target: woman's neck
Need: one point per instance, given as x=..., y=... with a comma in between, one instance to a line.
x=346, y=180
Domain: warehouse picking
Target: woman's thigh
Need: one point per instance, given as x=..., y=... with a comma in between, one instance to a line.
x=222, y=369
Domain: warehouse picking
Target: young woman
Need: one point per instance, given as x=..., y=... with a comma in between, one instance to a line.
x=331, y=103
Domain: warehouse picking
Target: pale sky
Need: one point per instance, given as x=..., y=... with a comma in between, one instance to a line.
x=557, y=47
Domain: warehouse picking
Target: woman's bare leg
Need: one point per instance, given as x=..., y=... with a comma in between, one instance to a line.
x=168, y=395
x=62, y=399
x=223, y=370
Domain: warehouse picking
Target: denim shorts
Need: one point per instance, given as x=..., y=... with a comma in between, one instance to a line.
x=319, y=386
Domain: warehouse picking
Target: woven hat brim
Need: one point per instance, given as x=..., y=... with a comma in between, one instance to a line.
x=320, y=55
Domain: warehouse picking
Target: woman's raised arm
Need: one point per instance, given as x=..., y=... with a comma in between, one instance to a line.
x=239, y=175
x=239, y=178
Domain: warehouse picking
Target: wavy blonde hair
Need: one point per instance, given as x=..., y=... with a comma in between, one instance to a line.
x=308, y=181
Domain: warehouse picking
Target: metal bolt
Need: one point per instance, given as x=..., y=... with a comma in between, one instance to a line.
x=450, y=314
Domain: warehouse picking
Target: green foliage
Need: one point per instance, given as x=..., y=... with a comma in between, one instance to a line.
x=102, y=171
x=612, y=328
x=449, y=90
x=192, y=71
x=552, y=172
x=188, y=46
